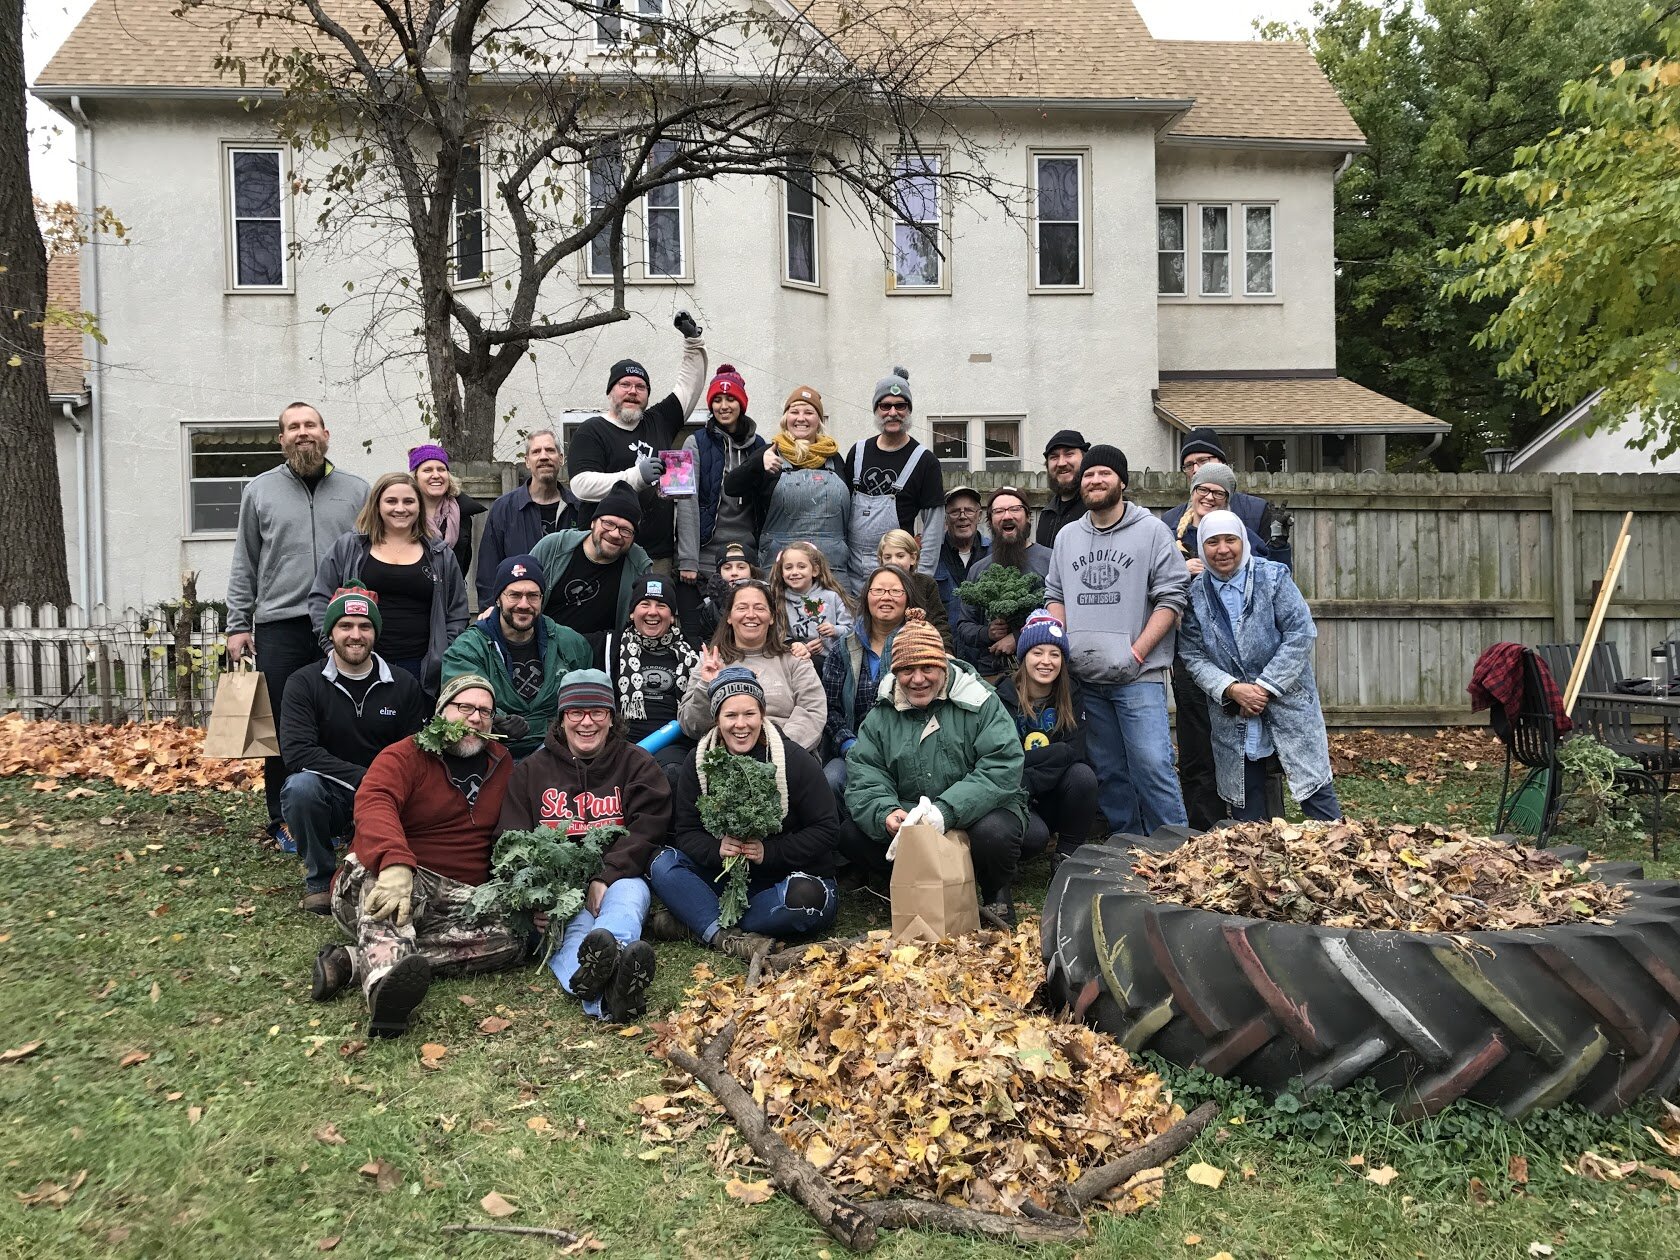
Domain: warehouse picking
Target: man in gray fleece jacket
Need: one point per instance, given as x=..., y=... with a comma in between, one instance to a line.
x=1118, y=582
x=289, y=518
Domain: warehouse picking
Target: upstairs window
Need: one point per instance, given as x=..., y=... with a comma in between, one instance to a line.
x=1059, y=221
x=662, y=220
x=1169, y=250
x=1257, y=251
x=1230, y=249
x=799, y=239
x=618, y=24
x=919, y=229
x=469, y=216
x=257, y=196
x=1216, y=250
x=606, y=177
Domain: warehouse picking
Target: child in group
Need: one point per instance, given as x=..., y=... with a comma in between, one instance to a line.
x=815, y=607
x=1049, y=713
x=732, y=568
x=899, y=548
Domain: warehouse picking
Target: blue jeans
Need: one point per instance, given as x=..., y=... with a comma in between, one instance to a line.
x=318, y=811
x=1322, y=804
x=1130, y=743
x=834, y=771
x=623, y=908
x=691, y=892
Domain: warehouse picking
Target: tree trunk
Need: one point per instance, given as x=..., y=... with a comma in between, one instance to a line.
x=32, y=568
x=477, y=439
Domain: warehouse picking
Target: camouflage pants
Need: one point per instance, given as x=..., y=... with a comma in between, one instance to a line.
x=439, y=928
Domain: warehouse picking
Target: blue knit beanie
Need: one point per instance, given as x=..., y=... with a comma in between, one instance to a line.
x=1041, y=628
x=734, y=680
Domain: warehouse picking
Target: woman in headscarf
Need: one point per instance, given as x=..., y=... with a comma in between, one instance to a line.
x=1250, y=648
x=449, y=509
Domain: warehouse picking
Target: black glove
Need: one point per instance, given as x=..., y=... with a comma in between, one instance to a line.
x=684, y=323
x=509, y=726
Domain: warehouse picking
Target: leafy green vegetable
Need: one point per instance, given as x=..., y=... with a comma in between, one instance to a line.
x=740, y=800
x=543, y=871
x=441, y=733
x=1003, y=593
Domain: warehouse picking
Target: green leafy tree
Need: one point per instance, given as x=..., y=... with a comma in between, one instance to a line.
x=1438, y=87
x=1588, y=266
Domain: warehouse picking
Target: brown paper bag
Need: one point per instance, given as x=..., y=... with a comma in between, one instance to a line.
x=933, y=893
x=242, y=720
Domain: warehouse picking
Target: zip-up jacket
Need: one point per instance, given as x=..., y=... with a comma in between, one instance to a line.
x=285, y=531
x=408, y=813
x=620, y=785
x=481, y=649
x=324, y=731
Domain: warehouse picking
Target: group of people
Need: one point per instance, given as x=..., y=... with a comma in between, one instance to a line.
x=802, y=608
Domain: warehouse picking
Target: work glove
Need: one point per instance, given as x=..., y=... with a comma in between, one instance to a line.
x=392, y=895
x=509, y=725
x=650, y=468
x=684, y=323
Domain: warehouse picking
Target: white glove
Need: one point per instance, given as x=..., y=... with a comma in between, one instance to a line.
x=924, y=814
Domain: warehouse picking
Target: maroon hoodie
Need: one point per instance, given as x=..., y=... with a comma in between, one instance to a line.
x=408, y=813
x=621, y=784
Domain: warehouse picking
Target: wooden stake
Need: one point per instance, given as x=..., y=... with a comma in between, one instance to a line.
x=1595, y=623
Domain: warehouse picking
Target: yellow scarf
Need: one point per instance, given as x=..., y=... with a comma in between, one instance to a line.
x=803, y=454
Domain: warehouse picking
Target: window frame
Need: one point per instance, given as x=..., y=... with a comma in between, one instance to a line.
x=1237, y=252
x=230, y=221
x=1202, y=252
x=975, y=459
x=590, y=275
x=818, y=284
x=1082, y=157
x=1248, y=207
x=458, y=281
x=607, y=44
x=941, y=156
x=636, y=260
x=190, y=427
x=1183, y=251
x=645, y=210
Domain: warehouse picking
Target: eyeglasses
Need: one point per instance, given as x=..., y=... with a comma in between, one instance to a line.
x=590, y=715
x=618, y=531
x=1193, y=462
x=962, y=512
x=1014, y=510
x=892, y=406
x=1211, y=492
x=517, y=597
x=472, y=710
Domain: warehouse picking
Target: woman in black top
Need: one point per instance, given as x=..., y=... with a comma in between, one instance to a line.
x=422, y=597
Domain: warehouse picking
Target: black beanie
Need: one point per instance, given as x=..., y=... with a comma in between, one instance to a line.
x=1103, y=456
x=1202, y=441
x=627, y=367
x=620, y=501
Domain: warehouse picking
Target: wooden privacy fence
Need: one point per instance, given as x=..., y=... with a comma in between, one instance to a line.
x=1410, y=576
x=100, y=665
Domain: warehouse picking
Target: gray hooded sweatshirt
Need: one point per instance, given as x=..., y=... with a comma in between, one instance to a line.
x=1109, y=581
x=285, y=531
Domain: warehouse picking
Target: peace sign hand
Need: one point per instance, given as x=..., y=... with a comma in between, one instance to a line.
x=711, y=664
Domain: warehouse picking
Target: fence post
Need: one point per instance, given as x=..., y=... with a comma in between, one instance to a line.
x=1563, y=562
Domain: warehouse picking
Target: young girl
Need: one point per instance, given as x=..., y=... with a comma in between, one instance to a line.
x=814, y=607
x=899, y=548
x=1049, y=714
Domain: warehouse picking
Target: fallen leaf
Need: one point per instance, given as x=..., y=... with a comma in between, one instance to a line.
x=20, y=1052
x=134, y=1057
x=635, y=1030
x=157, y=992
x=1517, y=1169
x=492, y=1024
x=194, y=1115
x=539, y=1124
x=51, y=1194
x=1668, y=1145
x=1205, y=1175
x=1479, y=1193
x=748, y=1191
x=329, y=1134
x=1222, y=1255
x=819, y=1152
x=386, y=1176
x=1356, y=1161
x=1667, y=1176
x=494, y=1205
x=1382, y=1176
x=327, y=1244
x=1539, y=1249
x=431, y=1056
x=1192, y=1240
x=1595, y=1167
x=350, y=1049
x=466, y=999
x=585, y=1242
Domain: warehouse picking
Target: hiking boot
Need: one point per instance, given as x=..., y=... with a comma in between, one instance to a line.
x=739, y=944
x=395, y=995
x=662, y=925
x=597, y=964
x=316, y=902
x=626, y=996
x=333, y=971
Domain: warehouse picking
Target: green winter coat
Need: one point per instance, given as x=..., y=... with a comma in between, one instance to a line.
x=962, y=752
x=479, y=650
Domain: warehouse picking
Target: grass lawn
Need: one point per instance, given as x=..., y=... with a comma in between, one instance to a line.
x=156, y=952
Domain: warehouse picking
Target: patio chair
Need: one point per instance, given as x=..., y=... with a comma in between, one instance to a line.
x=1530, y=739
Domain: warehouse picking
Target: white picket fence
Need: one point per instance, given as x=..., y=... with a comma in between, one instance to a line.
x=105, y=665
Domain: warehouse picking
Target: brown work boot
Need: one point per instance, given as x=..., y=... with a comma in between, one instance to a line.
x=739, y=944
x=333, y=970
x=662, y=925
x=316, y=902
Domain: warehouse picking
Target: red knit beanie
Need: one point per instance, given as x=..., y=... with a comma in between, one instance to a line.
x=729, y=383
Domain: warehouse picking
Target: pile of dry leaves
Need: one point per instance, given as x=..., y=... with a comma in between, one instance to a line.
x=916, y=1070
x=161, y=757
x=1412, y=877
x=1419, y=758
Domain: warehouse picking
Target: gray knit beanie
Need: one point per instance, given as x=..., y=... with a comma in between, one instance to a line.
x=895, y=386
x=1216, y=474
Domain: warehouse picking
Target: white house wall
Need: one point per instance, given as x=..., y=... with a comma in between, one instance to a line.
x=1599, y=452
x=1297, y=327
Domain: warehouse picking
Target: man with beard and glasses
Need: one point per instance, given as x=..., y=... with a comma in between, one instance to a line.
x=424, y=826
x=964, y=545
x=991, y=644
x=289, y=519
x=337, y=718
x=896, y=484
x=527, y=514
x=1062, y=456
x=1118, y=583
x=620, y=446
x=589, y=573
x=523, y=653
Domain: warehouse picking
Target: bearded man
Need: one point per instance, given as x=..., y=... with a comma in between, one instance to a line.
x=1063, y=455
x=989, y=642
x=289, y=518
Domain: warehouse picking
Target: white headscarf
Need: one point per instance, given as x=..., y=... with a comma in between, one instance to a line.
x=1213, y=525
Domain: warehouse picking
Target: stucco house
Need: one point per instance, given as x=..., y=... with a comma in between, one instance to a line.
x=1565, y=447
x=1181, y=274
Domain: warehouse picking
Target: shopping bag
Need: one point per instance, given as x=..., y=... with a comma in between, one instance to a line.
x=241, y=720
x=933, y=893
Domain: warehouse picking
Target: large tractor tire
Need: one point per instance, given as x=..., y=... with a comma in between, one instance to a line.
x=1517, y=1020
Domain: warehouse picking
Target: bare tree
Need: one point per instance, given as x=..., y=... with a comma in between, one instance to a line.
x=573, y=114
x=32, y=566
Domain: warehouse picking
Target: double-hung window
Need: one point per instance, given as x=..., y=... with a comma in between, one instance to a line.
x=257, y=197
x=1059, y=218
x=1169, y=250
x=617, y=22
x=1216, y=251
x=605, y=177
x=469, y=215
x=1257, y=251
x=800, y=264
x=662, y=220
x=918, y=228
x=1229, y=248
x=221, y=458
